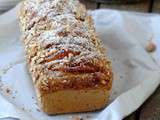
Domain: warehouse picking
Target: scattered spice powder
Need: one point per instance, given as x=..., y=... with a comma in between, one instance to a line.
x=87, y=117
x=78, y=118
x=8, y=90
x=36, y=103
x=13, y=97
x=38, y=110
x=121, y=76
x=114, y=59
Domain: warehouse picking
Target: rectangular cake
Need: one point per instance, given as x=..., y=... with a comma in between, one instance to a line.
x=65, y=57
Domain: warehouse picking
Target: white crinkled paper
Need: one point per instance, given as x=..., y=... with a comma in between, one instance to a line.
x=124, y=34
x=8, y=4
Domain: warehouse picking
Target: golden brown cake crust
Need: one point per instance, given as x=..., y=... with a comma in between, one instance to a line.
x=69, y=101
x=62, y=48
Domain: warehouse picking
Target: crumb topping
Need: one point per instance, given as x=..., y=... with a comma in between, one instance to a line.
x=61, y=45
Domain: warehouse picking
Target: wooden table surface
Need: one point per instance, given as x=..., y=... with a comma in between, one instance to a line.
x=150, y=110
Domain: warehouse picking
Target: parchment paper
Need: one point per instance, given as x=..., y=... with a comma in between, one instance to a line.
x=8, y=4
x=124, y=34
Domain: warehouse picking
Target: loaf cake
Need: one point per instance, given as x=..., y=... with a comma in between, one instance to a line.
x=65, y=57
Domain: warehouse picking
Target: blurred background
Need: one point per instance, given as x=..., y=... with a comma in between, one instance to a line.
x=129, y=5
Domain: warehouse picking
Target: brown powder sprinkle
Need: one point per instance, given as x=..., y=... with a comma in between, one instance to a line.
x=15, y=91
x=121, y=76
x=13, y=97
x=8, y=90
x=78, y=118
x=36, y=103
x=38, y=110
x=114, y=59
x=88, y=116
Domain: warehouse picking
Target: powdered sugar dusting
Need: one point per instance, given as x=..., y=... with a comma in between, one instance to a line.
x=67, y=32
x=58, y=34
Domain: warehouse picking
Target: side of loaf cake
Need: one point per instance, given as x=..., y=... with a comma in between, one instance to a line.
x=65, y=57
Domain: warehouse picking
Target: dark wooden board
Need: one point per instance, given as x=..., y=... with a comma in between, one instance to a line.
x=156, y=7
x=139, y=7
x=89, y=5
x=151, y=108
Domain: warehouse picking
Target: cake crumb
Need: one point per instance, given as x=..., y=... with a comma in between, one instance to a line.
x=88, y=116
x=13, y=97
x=151, y=46
x=36, y=103
x=78, y=118
x=38, y=110
x=121, y=76
x=23, y=108
x=8, y=91
x=114, y=59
